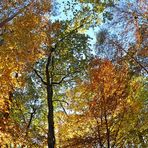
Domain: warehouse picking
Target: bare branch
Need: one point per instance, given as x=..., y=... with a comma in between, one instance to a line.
x=36, y=72
x=60, y=80
x=64, y=77
x=61, y=101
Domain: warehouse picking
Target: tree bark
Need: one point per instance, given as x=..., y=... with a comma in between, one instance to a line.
x=51, y=134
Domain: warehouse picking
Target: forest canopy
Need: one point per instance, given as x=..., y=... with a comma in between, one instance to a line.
x=73, y=74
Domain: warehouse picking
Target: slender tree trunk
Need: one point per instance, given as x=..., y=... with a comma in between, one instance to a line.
x=107, y=131
x=51, y=135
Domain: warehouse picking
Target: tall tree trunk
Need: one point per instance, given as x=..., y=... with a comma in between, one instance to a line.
x=51, y=135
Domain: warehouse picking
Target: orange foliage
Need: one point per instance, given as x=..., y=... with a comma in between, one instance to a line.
x=95, y=103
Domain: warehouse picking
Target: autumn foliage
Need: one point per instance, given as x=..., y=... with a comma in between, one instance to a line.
x=73, y=74
x=100, y=108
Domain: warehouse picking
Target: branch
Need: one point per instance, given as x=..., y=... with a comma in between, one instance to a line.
x=63, y=109
x=119, y=46
x=60, y=80
x=14, y=15
x=31, y=117
x=36, y=72
x=61, y=101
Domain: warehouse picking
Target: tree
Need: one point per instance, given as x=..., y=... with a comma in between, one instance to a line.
x=52, y=71
x=72, y=51
x=17, y=53
x=100, y=108
x=27, y=123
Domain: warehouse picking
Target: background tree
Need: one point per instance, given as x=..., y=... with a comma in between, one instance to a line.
x=100, y=109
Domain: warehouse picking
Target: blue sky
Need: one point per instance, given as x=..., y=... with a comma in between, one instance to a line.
x=59, y=14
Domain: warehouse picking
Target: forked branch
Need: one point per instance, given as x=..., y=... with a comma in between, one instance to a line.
x=39, y=76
